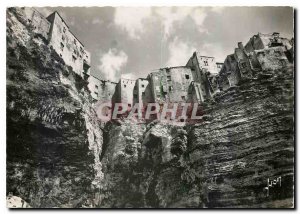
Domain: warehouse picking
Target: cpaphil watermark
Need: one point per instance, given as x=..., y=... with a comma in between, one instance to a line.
x=164, y=112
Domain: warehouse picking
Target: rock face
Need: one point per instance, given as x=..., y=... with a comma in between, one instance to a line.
x=60, y=155
x=54, y=140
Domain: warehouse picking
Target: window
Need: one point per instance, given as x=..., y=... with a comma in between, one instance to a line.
x=183, y=97
x=187, y=76
x=143, y=85
x=73, y=58
x=124, y=86
x=75, y=42
x=96, y=86
x=63, y=38
x=62, y=46
x=169, y=78
x=129, y=105
x=96, y=94
x=64, y=29
x=170, y=88
x=81, y=49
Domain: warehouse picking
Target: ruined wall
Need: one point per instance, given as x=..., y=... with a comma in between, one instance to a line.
x=68, y=47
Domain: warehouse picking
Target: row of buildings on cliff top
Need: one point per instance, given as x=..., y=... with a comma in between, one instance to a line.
x=196, y=81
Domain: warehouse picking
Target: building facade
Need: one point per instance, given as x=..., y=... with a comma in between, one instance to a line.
x=102, y=90
x=69, y=48
x=39, y=23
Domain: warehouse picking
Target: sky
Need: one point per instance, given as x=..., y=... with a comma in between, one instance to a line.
x=132, y=42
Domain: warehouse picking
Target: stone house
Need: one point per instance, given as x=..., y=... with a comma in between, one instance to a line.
x=102, y=90
x=139, y=90
x=272, y=58
x=39, y=23
x=201, y=66
x=59, y=36
x=66, y=44
x=124, y=92
x=169, y=85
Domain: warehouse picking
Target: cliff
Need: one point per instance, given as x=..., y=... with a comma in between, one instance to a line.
x=60, y=155
x=54, y=140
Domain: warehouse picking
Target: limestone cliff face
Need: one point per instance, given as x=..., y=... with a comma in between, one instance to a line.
x=59, y=155
x=245, y=138
x=54, y=140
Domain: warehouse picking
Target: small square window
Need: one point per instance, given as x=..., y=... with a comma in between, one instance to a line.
x=187, y=76
x=96, y=86
x=124, y=86
x=143, y=86
x=170, y=88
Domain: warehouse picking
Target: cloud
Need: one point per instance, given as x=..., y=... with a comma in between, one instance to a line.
x=170, y=16
x=214, y=50
x=130, y=76
x=111, y=64
x=179, y=53
x=97, y=21
x=131, y=19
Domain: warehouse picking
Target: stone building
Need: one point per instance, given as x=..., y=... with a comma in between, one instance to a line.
x=201, y=66
x=169, y=85
x=58, y=35
x=272, y=58
x=139, y=90
x=262, y=41
x=39, y=23
x=70, y=49
x=263, y=51
x=124, y=92
x=102, y=90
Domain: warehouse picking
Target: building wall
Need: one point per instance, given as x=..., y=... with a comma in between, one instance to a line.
x=139, y=90
x=102, y=90
x=124, y=92
x=39, y=23
x=272, y=58
x=68, y=46
x=170, y=84
x=200, y=65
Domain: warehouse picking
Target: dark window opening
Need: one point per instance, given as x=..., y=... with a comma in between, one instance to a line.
x=143, y=86
x=183, y=97
x=96, y=86
x=124, y=86
x=62, y=46
x=64, y=30
x=170, y=88
x=187, y=76
x=169, y=78
x=129, y=105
